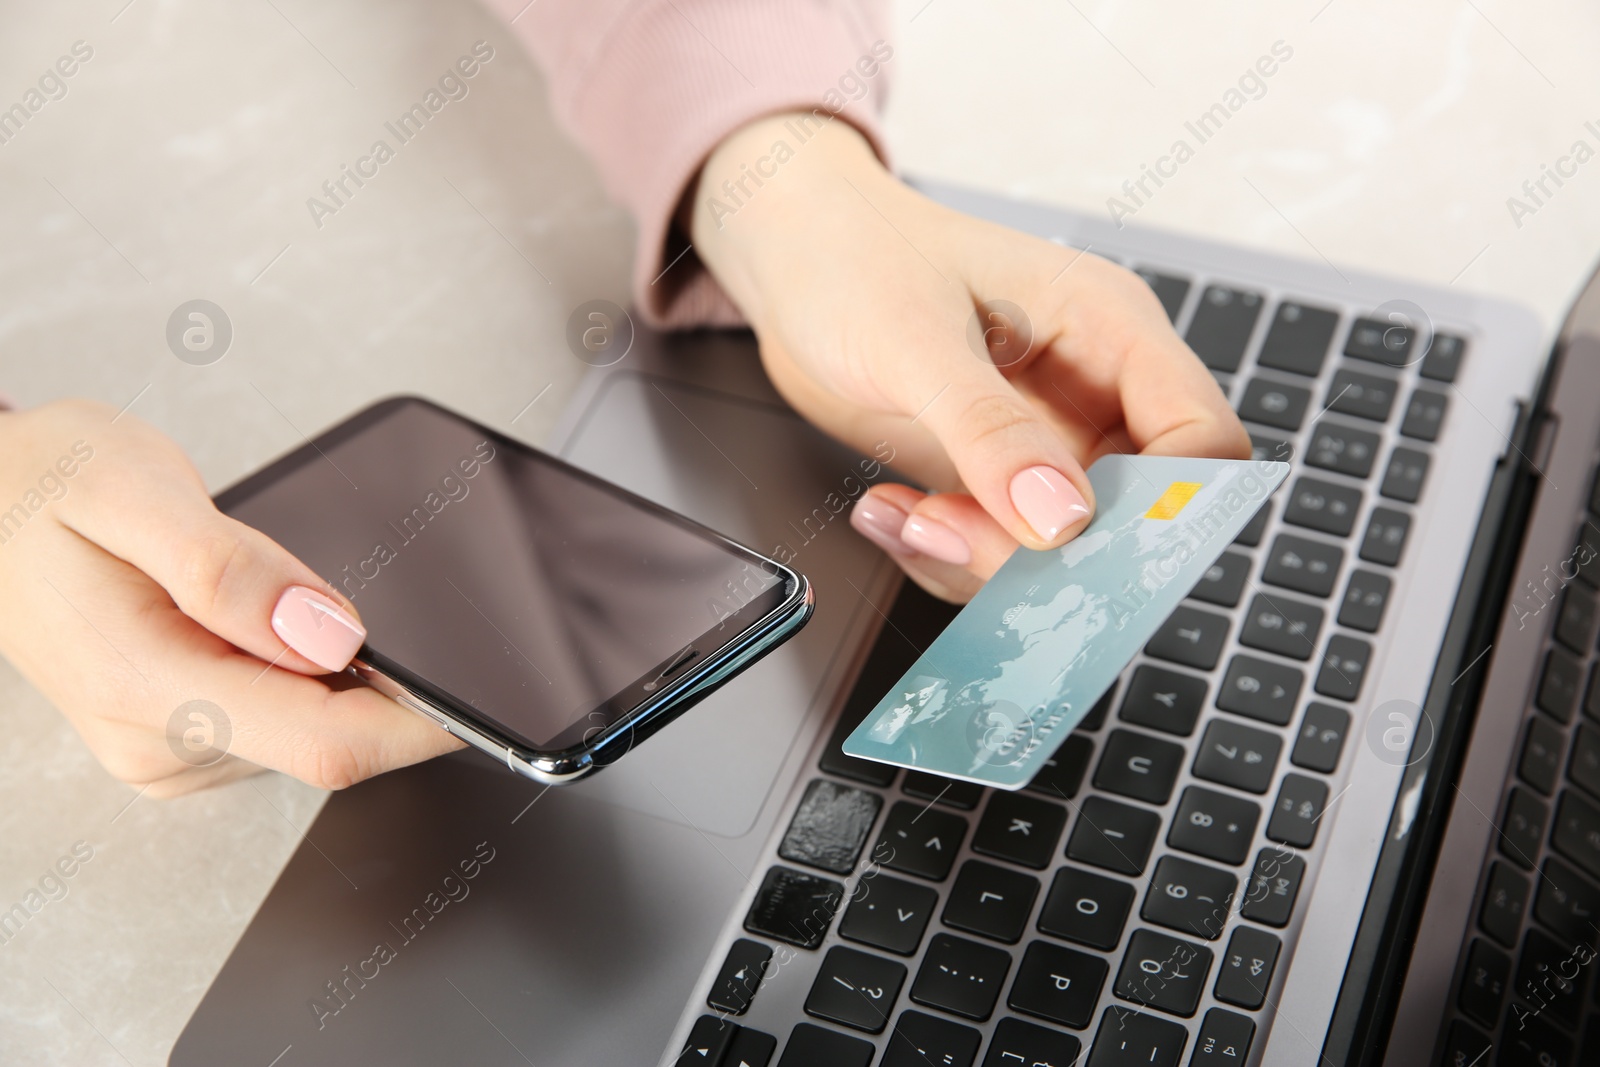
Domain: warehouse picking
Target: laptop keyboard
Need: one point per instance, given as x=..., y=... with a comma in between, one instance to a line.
x=1523, y=979
x=1137, y=904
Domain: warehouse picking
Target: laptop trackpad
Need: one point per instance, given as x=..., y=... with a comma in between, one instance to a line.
x=761, y=475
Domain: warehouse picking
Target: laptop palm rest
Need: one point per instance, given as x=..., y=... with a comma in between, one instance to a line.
x=453, y=912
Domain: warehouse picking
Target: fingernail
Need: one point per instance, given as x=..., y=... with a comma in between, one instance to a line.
x=879, y=522
x=937, y=540
x=1047, y=501
x=6, y=403
x=317, y=627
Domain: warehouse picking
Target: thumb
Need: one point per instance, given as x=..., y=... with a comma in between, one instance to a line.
x=234, y=580
x=1010, y=458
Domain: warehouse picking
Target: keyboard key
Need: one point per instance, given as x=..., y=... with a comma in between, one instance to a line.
x=866, y=771
x=739, y=977
x=1385, y=538
x=1321, y=738
x=1283, y=625
x=1023, y=1044
x=1566, y=902
x=1542, y=747
x=830, y=826
x=1139, y=766
x=1260, y=689
x=750, y=1048
x=992, y=901
x=1319, y=505
x=1575, y=623
x=1522, y=828
x=1585, y=766
x=708, y=1041
x=1274, y=404
x=1189, y=897
x=1344, y=449
x=1061, y=775
x=1529, y=1041
x=1274, y=884
x=1304, y=565
x=889, y=913
x=1424, y=415
x=1403, y=478
x=1559, y=684
x=855, y=989
x=1087, y=908
x=1163, y=972
x=961, y=976
x=1215, y=825
x=1170, y=290
x=1097, y=715
x=1191, y=637
x=1020, y=829
x=1483, y=985
x=1059, y=984
x=1250, y=536
x=1165, y=700
x=1298, y=339
x=1443, y=361
x=920, y=839
x=812, y=1046
x=1586, y=554
x=1365, y=396
x=1246, y=970
x=1265, y=446
x=1550, y=975
x=1576, y=833
x=1365, y=597
x=1221, y=327
x=1114, y=836
x=1301, y=802
x=1224, y=1040
x=1223, y=582
x=794, y=907
x=1466, y=1047
x=921, y=1040
x=942, y=790
x=1135, y=1039
x=1231, y=754
x=1389, y=343
x=1505, y=898
x=1344, y=665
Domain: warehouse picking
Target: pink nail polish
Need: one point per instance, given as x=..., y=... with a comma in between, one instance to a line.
x=317, y=627
x=937, y=540
x=879, y=522
x=1047, y=501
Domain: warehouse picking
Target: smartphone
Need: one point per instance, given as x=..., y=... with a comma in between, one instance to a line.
x=535, y=611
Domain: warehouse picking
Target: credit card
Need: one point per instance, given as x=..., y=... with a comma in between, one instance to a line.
x=995, y=694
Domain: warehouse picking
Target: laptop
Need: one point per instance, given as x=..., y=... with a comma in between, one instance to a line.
x=1343, y=809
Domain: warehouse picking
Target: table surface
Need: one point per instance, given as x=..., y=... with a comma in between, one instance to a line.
x=178, y=165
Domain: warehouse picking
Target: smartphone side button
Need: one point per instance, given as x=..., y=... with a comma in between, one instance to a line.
x=417, y=705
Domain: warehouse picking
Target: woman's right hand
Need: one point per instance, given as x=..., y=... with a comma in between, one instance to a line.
x=125, y=595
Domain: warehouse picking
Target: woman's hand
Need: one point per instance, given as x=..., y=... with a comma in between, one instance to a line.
x=128, y=595
x=865, y=297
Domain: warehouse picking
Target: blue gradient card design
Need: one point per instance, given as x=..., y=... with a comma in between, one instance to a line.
x=999, y=690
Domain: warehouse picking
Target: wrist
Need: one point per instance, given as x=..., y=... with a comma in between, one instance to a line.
x=768, y=176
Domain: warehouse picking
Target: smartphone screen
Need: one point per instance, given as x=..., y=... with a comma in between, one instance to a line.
x=505, y=579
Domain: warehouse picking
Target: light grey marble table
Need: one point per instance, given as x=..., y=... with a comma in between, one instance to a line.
x=178, y=163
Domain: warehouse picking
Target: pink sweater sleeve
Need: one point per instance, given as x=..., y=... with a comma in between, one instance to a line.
x=650, y=87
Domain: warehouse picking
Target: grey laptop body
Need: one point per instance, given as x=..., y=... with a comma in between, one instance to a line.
x=1371, y=834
